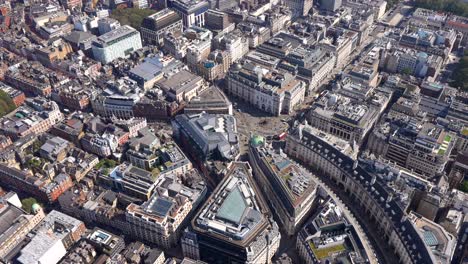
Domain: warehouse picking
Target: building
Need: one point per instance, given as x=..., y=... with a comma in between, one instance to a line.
x=182, y=86
x=299, y=8
x=234, y=225
x=130, y=180
x=39, y=186
x=138, y=252
x=80, y=41
x=343, y=117
x=341, y=46
x=215, y=66
x=16, y=96
x=118, y=43
x=71, y=4
x=422, y=148
x=160, y=220
x=212, y=101
x=272, y=91
x=207, y=136
x=436, y=237
x=313, y=65
x=106, y=242
x=57, y=29
x=55, y=149
x=147, y=73
x=154, y=27
x=69, y=129
x=199, y=46
x=102, y=145
x=107, y=24
x=290, y=189
x=256, y=34
x=29, y=78
x=35, y=117
x=146, y=153
x=84, y=252
x=119, y=99
x=234, y=43
x=330, y=5
x=15, y=222
x=216, y=20
x=329, y=237
x=191, y=11
x=58, y=51
x=51, y=239
x=78, y=163
x=329, y=158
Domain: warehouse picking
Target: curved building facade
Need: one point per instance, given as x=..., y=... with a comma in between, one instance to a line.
x=377, y=201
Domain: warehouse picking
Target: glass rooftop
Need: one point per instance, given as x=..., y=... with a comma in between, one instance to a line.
x=233, y=207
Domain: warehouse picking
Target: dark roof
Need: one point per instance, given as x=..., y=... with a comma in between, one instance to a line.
x=8, y=217
x=77, y=37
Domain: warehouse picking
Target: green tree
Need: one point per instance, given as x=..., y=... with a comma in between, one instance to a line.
x=457, y=7
x=27, y=204
x=6, y=104
x=460, y=75
x=106, y=163
x=131, y=16
x=407, y=71
x=464, y=186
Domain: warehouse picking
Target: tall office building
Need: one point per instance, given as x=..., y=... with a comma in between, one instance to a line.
x=155, y=26
x=191, y=11
x=234, y=225
x=330, y=5
x=300, y=7
x=117, y=43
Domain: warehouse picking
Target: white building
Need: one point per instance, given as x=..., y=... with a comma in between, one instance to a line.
x=191, y=11
x=117, y=43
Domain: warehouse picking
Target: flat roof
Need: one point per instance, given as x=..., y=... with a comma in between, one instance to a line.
x=116, y=33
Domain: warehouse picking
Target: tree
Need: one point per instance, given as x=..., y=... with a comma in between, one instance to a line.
x=407, y=71
x=460, y=75
x=6, y=104
x=106, y=163
x=464, y=186
x=27, y=204
x=457, y=7
x=131, y=16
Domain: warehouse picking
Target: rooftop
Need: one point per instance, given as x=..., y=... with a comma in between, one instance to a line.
x=295, y=181
x=211, y=132
x=209, y=98
x=328, y=237
x=235, y=211
x=180, y=82
x=150, y=68
x=115, y=35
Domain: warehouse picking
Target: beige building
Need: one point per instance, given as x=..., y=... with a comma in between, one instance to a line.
x=269, y=90
x=29, y=121
x=182, y=86
x=328, y=157
x=159, y=219
x=289, y=188
x=15, y=223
